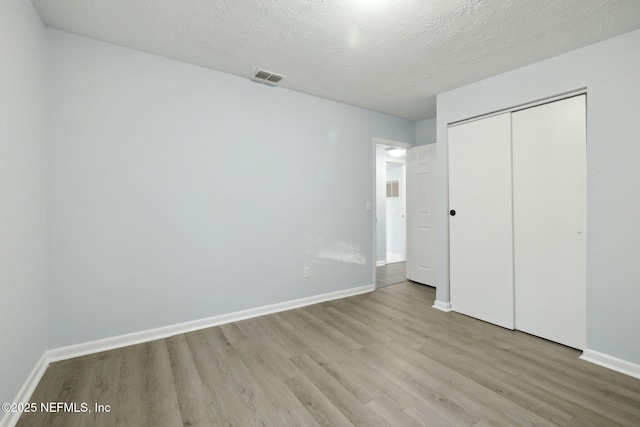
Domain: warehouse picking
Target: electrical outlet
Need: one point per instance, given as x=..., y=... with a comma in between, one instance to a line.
x=307, y=272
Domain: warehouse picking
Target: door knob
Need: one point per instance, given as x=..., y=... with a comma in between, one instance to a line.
x=452, y=212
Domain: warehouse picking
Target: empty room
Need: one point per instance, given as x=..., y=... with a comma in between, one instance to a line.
x=319, y=212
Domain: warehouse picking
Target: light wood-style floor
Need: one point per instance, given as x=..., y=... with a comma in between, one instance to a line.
x=390, y=274
x=380, y=359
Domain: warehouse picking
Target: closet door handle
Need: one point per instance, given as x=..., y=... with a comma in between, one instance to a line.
x=452, y=212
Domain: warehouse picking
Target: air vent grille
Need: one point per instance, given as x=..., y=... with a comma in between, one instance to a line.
x=262, y=75
x=273, y=78
x=267, y=77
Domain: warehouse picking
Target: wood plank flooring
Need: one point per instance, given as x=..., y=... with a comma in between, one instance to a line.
x=390, y=274
x=380, y=359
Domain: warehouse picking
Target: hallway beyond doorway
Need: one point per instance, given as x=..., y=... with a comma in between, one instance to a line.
x=390, y=274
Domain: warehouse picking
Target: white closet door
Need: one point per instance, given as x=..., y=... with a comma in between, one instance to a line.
x=421, y=179
x=481, y=232
x=549, y=192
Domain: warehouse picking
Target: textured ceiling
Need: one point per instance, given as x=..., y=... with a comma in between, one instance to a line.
x=391, y=56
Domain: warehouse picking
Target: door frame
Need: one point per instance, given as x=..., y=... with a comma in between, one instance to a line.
x=374, y=143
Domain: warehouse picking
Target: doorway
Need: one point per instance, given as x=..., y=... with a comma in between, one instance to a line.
x=390, y=211
x=418, y=208
x=390, y=204
x=396, y=208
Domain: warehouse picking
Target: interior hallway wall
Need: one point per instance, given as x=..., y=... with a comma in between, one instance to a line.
x=426, y=131
x=396, y=242
x=381, y=210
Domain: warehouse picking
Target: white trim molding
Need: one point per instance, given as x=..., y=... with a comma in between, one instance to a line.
x=393, y=258
x=610, y=362
x=24, y=395
x=83, y=349
x=391, y=143
x=442, y=306
x=111, y=343
x=381, y=263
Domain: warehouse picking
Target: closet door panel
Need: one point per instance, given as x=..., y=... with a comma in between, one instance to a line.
x=549, y=196
x=480, y=232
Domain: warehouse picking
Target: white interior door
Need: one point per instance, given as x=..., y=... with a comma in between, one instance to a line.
x=421, y=216
x=549, y=191
x=480, y=231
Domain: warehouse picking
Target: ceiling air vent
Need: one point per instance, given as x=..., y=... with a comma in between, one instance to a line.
x=267, y=77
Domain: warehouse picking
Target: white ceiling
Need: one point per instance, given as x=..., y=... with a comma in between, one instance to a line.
x=391, y=56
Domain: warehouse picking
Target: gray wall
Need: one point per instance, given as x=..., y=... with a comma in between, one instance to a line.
x=178, y=193
x=22, y=194
x=426, y=131
x=609, y=70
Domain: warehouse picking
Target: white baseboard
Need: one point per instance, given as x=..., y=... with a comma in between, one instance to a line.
x=11, y=418
x=111, y=343
x=391, y=258
x=381, y=263
x=442, y=306
x=83, y=349
x=611, y=362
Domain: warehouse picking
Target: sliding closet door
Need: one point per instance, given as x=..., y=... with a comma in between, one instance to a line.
x=480, y=221
x=549, y=195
